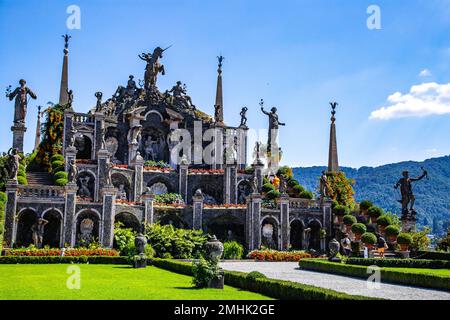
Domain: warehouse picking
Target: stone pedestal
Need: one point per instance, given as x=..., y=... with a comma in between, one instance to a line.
x=242, y=147
x=102, y=160
x=217, y=283
x=99, y=125
x=140, y=261
x=258, y=167
x=18, y=136
x=148, y=203
x=138, y=165
x=253, y=221
x=409, y=225
x=68, y=127
x=69, y=214
x=183, y=181
x=284, y=221
x=197, y=211
x=12, y=189
x=108, y=194
x=230, y=183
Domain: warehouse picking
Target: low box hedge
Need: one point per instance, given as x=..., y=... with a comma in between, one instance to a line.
x=431, y=255
x=278, y=289
x=65, y=259
x=401, y=263
x=400, y=277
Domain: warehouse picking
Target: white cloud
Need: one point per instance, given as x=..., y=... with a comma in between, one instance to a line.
x=425, y=73
x=422, y=100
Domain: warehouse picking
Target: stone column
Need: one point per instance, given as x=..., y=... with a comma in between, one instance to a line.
x=284, y=221
x=197, y=210
x=99, y=124
x=138, y=166
x=69, y=236
x=230, y=183
x=242, y=146
x=18, y=136
x=253, y=221
x=68, y=127
x=102, y=160
x=327, y=217
x=12, y=189
x=183, y=171
x=70, y=154
x=109, y=197
x=259, y=167
x=148, y=203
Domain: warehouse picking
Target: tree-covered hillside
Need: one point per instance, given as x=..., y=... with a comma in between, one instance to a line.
x=377, y=185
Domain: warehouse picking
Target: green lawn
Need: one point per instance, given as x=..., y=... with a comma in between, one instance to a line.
x=105, y=282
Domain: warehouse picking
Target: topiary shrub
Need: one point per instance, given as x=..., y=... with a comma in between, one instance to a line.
x=56, y=164
x=405, y=239
x=232, y=250
x=384, y=221
x=369, y=238
x=359, y=228
x=60, y=175
x=22, y=180
x=341, y=210
x=365, y=205
x=267, y=187
x=349, y=220
x=273, y=194
x=306, y=195
x=298, y=189
x=392, y=230
x=375, y=212
x=61, y=182
x=292, y=183
x=255, y=275
x=57, y=157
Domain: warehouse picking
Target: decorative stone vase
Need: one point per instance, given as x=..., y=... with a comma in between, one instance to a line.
x=404, y=247
x=392, y=238
x=358, y=236
x=348, y=228
x=369, y=246
x=213, y=249
x=334, y=247
x=140, y=260
x=373, y=219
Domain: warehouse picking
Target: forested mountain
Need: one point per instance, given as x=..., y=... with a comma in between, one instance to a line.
x=377, y=185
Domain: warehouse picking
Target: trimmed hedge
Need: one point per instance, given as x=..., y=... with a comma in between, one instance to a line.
x=278, y=289
x=401, y=277
x=401, y=263
x=431, y=255
x=65, y=259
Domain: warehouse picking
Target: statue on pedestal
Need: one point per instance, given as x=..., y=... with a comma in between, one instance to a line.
x=73, y=172
x=38, y=232
x=13, y=163
x=324, y=185
x=153, y=66
x=179, y=94
x=98, y=106
x=274, y=124
x=21, y=94
x=243, y=116
x=405, y=184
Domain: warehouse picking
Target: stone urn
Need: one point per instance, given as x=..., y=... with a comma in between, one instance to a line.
x=213, y=249
x=140, y=260
x=334, y=247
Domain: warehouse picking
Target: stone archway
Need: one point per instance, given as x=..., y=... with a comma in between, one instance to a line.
x=270, y=233
x=174, y=220
x=296, y=234
x=52, y=230
x=227, y=228
x=128, y=220
x=87, y=228
x=313, y=241
x=24, y=235
x=123, y=186
x=86, y=185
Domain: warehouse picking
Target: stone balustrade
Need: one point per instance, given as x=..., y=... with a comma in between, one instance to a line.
x=298, y=203
x=83, y=118
x=42, y=192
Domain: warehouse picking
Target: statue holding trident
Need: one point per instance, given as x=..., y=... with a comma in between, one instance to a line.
x=153, y=66
x=274, y=124
x=21, y=94
x=405, y=184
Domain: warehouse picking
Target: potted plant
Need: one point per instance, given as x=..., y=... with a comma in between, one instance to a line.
x=383, y=222
x=374, y=212
x=340, y=211
x=369, y=240
x=392, y=232
x=404, y=240
x=358, y=229
x=349, y=220
x=364, y=206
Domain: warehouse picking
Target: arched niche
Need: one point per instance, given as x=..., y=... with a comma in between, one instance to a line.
x=243, y=190
x=87, y=228
x=297, y=229
x=24, y=235
x=227, y=228
x=270, y=233
x=128, y=220
x=123, y=186
x=83, y=144
x=53, y=229
x=313, y=235
x=86, y=185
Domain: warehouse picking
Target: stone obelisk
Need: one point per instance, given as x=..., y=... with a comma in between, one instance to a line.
x=333, y=164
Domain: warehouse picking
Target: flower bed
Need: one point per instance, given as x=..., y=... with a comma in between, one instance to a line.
x=157, y=169
x=274, y=255
x=120, y=166
x=169, y=205
x=206, y=171
x=27, y=252
x=128, y=203
x=224, y=206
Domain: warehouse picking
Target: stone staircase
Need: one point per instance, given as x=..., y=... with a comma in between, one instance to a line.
x=40, y=178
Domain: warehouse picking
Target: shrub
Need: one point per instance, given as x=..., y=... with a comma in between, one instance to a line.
x=392, y=230
x=274, y=255
x=22, y=180
x=349, y=220
x=306, y=195
x=56, y=164
x=420, y=240
x=157, y=164
x=365, y=205
x=285, y=171
x=384, y=221
x=61, y=182
x=297, y=189
x=168, y=198
x=57, y=157
x=149, y=251
x=273, y=194
x=232, y=250
x=255, y=275
x=404, y=238
x=73, y=252
x=169, y=242
x=341, y=210
x=400, y=263
x=60, y=175
x=369, y=238
x=291, y=182
x=375, y=212
x=267, y=187
x=359, y=228
x=203, y=272
x=124, y=238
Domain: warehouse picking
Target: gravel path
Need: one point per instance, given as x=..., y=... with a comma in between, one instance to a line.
x=290, y=271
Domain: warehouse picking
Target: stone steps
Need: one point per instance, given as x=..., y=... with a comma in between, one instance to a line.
x=40, y=178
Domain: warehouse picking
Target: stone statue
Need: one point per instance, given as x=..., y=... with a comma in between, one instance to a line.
x=324, y=185
x=38, y=232
x=255, y=188
x=283, y=184
x=70, y=98
x=66, y=40
x=274, y=124
x=153, y=66
x=84, y=191
x=13, y=163
x=140, y=241
x=179, y=94
x=108, y=171
x=121, y=193
x=405, y=184
x=73, y=172
x=243, y=116
x=334, y=247
x=307, y=238
x=21, y=102
x=98, y=106
x=134, y=134
x=73, y=132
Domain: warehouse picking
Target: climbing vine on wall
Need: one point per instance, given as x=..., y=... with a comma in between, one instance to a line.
x=52, y=138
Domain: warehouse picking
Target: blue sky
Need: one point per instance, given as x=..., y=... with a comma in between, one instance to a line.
x=297, y=55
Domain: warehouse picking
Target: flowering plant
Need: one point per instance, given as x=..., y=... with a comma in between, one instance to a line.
x=75, y=252
x=274, y=255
